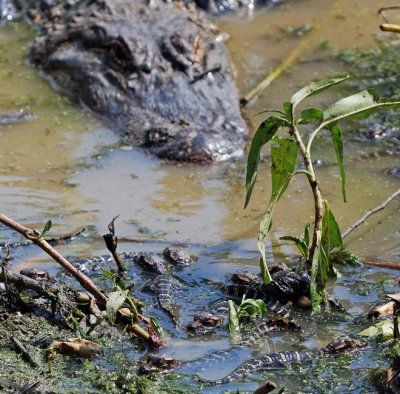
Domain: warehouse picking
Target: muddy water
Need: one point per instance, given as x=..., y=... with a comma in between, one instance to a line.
x=67, y=164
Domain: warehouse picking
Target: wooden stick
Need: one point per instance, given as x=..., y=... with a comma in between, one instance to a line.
x=140, y=239
x=390, y=27
x=382, y=264
x=34, y=236
x=370, y=213
x=24, y=282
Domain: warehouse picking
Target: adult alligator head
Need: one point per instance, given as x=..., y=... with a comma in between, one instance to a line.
x=157, y=72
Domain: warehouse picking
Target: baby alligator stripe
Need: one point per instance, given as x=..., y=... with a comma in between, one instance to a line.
x=247, y=340
x=264, y=362
x=163, y=286
x=338, y=345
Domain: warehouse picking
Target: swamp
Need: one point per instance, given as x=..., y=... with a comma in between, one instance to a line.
x=171, y=310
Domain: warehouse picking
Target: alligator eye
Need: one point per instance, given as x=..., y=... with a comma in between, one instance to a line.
x=120, y=53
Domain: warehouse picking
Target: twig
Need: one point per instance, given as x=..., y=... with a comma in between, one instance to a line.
x=111, y=242
x=382, y=264
x=33, y=235
x=66, y=237
x=370, y=213
x=140, y=239
x=287, y=62
x=23, y=350
x=24, y=282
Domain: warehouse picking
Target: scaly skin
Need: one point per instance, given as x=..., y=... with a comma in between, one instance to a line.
x=163, y=284
x=339, y=345
x=158, y=73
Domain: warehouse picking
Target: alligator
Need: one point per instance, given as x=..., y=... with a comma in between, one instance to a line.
x=281, y=359
x=288, y=286
x=158, y=73
x=206, y=322
x=163, y=283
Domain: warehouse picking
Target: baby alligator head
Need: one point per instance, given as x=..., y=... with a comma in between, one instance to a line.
x=158, y=363
x=342, y=344
x=171, y=258
x=158, y=73
x=205, y=323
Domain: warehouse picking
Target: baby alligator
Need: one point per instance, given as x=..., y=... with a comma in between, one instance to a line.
x=164, y=282
x=338, y=345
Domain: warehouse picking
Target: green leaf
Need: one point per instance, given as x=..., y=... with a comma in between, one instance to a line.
x=107, y=274
x=234, y=328
x=331, y=235
x=317, y=287
x=263, y=135
x=262, y=307
x=360, y=104
x=300, y=244
x=310, y=115
x=252, y=308
x=265, y=225
x=46, y=228
x=283, y=162
x=314, y=88
x=270, y=110
x=157, y=326
x=288, y=109
x=116, y=278
x=114, y=302
x=337, y=141
x=307, y=235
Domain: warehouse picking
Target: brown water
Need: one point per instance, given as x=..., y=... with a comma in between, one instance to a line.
x=51, y=167
x=67, y=165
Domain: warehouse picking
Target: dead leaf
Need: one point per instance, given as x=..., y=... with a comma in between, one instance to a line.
x=383, y=329
x=78, y=347
x=383, y=310
x=155, y=340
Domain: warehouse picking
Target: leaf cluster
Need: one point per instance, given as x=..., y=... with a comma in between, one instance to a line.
x=315, y=248
x=247, y=310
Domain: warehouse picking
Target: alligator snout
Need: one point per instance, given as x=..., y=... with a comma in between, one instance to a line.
x=195, y=144
x=157, y=74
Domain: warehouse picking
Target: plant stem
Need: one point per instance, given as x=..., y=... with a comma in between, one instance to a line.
x=34, y=236
x=318, y=201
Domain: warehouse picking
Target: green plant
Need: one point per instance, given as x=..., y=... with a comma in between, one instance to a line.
x=284, y=156
x=247, y=310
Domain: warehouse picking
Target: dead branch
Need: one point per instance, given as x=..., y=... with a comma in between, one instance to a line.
x=34, y=236
x=24, y=282
x=382, y=264
x=370, y=213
